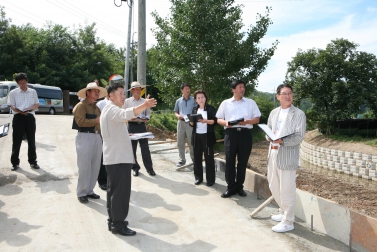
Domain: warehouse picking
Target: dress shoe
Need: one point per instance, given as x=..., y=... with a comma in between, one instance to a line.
x=281, y=228
x=122, y=231
x=277, y=217
x=109, y=224
x=151, y=172
x=83, y=199
x=103, y=187
x=198, y=182
x=227, y=194
x=93, y=196
x=210, y=184
x=136, y=173
x=14, y=167
x=242, y=193
x=35, y=166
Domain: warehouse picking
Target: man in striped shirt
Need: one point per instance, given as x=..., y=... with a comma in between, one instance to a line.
x=283, y=156
x=23, y=101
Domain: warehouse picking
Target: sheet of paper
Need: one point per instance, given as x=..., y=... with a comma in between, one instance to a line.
x=268, y=132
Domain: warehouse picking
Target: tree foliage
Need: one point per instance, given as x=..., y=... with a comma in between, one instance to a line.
x=337, y=80
x=56, y=55
x=202, y=44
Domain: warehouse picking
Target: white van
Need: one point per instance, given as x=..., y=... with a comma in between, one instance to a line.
x=50, y=98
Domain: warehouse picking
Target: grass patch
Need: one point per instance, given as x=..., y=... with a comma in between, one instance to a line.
x=372, y=141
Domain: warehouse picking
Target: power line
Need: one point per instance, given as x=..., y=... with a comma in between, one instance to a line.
x=80, y=15
x=96, y=19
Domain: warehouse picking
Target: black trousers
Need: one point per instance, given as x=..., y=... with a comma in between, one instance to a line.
x=237, y=144
x=118, y=192
x=200, y=148
x=144, y=147
x=102, y=175
x=22, y=124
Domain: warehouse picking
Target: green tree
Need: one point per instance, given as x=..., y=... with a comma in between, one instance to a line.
x=337, y=80
x=202, y=44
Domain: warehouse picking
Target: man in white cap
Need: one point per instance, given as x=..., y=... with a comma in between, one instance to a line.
x=88, y=140
x=137, y=125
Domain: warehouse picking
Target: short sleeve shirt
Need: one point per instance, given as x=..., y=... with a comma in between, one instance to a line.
x=183, y=106
x=23, y=99
x=231, y=109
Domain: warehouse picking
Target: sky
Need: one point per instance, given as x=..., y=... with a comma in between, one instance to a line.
x=297, y=24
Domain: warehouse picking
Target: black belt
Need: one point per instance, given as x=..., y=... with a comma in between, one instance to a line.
x=136, y=122
x=238, y=129
x=23, y=114
x=89, y=131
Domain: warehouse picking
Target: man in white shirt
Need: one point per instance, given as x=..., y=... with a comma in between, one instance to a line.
x=23, y=101
x=283, y=156
x=137, y=125
x=237, y=115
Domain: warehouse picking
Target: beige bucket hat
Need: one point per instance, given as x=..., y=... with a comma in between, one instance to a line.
x=136, y=84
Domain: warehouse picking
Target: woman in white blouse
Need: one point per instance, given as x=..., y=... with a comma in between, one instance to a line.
x=203, y=138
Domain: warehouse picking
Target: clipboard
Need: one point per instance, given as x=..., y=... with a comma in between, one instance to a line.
x=235, y=122
x=269, y=132
x=194, y=117
x=4, y=129
x=77, y=127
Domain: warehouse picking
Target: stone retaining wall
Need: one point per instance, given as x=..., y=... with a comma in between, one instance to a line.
x=353, y=163
x=350, y=227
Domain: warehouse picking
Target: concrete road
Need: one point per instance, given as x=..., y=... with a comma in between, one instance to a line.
x=39, y=210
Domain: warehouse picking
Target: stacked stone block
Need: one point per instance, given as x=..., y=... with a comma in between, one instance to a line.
x=348, y=162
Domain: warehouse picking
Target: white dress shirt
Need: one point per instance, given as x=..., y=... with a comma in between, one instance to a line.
x=231, y=109
x=132, y=102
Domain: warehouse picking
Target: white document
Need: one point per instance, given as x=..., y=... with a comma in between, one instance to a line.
x=185, y=117
x=269, y=132
x=4, y=129
x=137, y=136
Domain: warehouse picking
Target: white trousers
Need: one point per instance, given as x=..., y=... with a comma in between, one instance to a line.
x=282, y=185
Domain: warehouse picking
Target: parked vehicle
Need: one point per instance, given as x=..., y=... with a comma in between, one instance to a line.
x=50, y=98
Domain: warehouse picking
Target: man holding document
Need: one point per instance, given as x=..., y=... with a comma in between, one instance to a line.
x=288, y=126
x=23, y=101
x=183, y=107
x=137, y=125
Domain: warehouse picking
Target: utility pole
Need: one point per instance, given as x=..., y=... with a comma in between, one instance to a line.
x=141, y=52
x=127, y=65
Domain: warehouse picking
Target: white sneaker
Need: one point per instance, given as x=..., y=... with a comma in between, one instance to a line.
x=281, y=228
x=277, y=217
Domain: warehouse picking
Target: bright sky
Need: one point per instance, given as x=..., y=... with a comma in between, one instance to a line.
x=296, y=24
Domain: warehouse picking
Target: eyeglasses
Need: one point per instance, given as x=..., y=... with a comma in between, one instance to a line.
x=286, y=94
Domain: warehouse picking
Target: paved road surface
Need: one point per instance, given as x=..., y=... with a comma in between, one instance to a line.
x=39, y=210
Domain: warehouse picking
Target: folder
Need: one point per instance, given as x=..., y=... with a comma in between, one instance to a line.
x=194, y=117
x=235, y=122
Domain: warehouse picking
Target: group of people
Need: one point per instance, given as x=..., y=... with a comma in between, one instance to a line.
x=106, y=153
x=237, y=115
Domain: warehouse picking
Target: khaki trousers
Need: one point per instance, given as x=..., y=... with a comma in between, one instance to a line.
x=282, y=185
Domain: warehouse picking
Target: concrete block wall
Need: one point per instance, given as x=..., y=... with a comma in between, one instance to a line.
x=354, y=229
x=353, y=163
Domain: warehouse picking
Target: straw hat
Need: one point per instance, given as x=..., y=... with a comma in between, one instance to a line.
x=92, y=85
x=136, y=84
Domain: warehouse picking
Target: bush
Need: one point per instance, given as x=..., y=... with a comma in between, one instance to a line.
x=165, y=120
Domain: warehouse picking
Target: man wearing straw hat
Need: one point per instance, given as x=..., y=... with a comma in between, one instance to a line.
x=88, y=140
x=137, y=125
